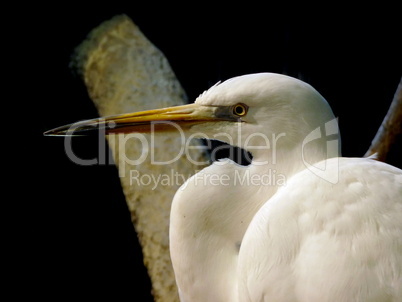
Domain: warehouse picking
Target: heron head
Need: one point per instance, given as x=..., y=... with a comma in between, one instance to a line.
x=253, y=110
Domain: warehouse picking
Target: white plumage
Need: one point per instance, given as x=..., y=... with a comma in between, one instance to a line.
x=299, y=223
x=307, y=240
x=319, y=241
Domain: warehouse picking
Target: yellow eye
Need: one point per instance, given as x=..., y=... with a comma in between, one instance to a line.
x=240, y=109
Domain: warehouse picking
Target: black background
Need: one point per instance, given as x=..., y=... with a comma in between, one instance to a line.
x=79, y=240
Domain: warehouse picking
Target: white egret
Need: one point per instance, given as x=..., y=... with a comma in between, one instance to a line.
x=299, y=223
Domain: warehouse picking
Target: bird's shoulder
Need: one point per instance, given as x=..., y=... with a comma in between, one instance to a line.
x=357, y=180
x=365, y=191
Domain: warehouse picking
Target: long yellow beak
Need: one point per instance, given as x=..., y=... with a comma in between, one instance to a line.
x=145, y=121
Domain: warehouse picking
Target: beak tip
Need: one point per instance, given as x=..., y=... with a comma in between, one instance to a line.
x=48, y=133
x=59, y=132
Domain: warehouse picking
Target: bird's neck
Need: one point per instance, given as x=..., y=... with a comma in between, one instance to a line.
x=210, y=215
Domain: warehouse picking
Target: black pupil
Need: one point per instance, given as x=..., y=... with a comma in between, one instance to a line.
x=239, y=110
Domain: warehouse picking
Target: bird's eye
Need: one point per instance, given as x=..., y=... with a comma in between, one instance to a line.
x=240, y=109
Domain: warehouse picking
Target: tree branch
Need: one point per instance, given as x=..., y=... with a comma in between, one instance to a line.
x=389, y=130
